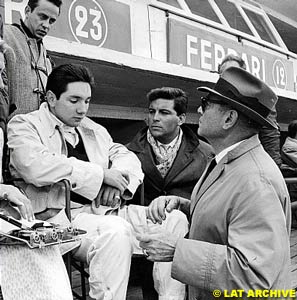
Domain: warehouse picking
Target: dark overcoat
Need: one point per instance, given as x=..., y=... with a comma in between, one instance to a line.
x=187, y=167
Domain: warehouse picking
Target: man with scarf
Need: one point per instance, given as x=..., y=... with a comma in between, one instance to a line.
x=171, y=154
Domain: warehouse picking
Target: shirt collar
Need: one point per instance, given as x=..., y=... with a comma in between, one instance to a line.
x=219, y=156
x=55, y=121
x=69, y=133
x=52, y=122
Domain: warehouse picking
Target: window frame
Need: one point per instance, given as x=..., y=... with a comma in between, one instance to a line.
x=224, y=26
x=259, y=11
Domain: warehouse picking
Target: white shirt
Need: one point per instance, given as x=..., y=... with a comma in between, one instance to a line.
x=70, y=133
x=219, y=156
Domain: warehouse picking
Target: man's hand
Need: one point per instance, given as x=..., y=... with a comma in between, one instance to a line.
x=13, y=195
x=117, y=179
x=156, y=209
x=108, y=196
x=158, y=246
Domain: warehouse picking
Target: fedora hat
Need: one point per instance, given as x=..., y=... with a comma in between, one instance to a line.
x=245, y=93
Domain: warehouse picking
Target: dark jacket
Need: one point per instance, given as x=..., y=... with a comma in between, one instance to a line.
x=187, y=167
x=270, y=140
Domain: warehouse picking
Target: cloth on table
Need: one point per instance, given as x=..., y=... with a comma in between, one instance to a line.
x=31, y=274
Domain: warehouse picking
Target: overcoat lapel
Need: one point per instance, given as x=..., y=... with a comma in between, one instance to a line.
x=149, y=168
x=181, y=161
x=89, y=140
x=203, y=185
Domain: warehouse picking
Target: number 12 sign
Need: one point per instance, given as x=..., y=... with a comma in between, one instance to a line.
x=279, y=74
x=87, y=22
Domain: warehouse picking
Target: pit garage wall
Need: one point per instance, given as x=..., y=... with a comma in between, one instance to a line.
x=149, y=48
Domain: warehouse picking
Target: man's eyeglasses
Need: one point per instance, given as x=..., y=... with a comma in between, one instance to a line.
x=205, y=102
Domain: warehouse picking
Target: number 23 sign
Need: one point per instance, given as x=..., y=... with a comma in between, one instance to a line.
x=88, y=22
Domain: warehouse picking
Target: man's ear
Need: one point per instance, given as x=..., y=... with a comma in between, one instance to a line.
x=27, y=10
x=230, y=118
x=182, y=119
x=51, y=98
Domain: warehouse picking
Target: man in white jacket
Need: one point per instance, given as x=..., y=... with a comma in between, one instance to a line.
x=59, y=142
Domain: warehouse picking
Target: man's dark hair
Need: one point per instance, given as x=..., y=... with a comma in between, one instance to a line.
x=232, y=57
x=34, y=3
x=292, y=129
x=62, y=75
x=179, y=96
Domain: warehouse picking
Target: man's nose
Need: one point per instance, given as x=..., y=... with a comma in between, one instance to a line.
x=46, y=24
x=156, y=116
x=83, y=108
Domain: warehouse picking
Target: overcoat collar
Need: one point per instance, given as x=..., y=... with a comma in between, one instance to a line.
x=203, y=185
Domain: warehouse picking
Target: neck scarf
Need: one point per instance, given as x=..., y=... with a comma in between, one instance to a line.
x=165, y=153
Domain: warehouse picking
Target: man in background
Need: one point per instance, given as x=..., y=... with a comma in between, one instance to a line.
x=27, y=77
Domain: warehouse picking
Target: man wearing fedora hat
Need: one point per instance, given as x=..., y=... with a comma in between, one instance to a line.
x=240, y=210
x=268, y=136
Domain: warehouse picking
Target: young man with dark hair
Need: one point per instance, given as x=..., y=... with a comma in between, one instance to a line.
x=179, y=96
x=42, y=270
x=59, y=142
x=27, y=78
x=34, y=3
x=172, y=156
